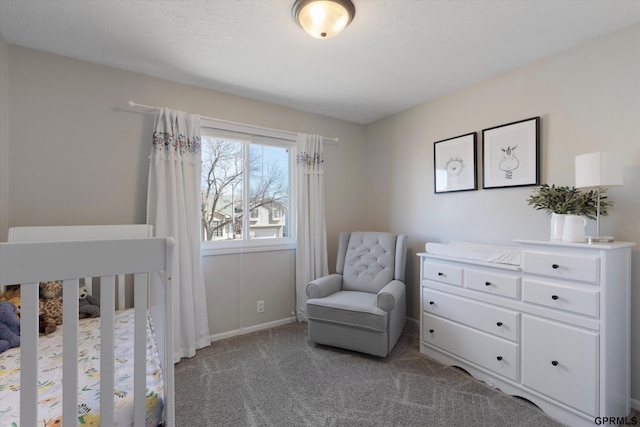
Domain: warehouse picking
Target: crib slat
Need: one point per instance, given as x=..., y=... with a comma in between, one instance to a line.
x=121, y=297
x=29, y=353
x=140, y=299
x=107, y=322
x=70, y=292
x=169, y=413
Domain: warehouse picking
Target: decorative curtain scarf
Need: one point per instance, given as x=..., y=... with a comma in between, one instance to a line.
x=173, y=208
x=311, y=248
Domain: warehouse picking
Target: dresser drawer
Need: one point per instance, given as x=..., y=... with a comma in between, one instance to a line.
x=577, y=299
x=441, y=272
x=495, y=354
x=559, y=265
x=561, y=362
x=497, y=321
x=505, y=285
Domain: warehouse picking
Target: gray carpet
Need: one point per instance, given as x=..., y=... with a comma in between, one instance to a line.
x=277, y=378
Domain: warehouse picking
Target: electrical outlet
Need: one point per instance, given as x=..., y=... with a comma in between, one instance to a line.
x=260, y=307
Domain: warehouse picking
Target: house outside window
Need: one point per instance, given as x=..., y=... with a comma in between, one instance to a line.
x=244, y=173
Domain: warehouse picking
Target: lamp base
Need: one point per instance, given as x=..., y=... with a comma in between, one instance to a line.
x=599, y=239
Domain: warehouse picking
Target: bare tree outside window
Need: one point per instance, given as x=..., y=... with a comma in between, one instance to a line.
x=223, y=203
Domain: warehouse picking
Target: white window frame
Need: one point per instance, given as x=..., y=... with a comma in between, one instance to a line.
x=246, y=245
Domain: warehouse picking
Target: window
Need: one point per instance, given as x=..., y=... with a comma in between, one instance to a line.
x=243, y=173
x=277, y=212
x=254, y=214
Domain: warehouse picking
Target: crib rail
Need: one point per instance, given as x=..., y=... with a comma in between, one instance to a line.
x=30, y=263
x=83, y=232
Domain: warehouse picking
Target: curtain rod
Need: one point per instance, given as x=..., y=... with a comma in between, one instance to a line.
x=333, y=141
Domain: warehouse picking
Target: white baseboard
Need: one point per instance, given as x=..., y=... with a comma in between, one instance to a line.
x=254, y=328
x=635, y=404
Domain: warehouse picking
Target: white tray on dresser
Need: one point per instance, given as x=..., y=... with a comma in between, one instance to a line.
x=555, y=330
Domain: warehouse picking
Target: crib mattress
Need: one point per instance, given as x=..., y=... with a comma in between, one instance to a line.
x=50, y=377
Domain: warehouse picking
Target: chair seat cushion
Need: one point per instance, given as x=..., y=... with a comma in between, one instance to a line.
x=349, y=308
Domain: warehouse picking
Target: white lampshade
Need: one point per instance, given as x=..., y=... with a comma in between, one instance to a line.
x=601, y=169
x=323, y=19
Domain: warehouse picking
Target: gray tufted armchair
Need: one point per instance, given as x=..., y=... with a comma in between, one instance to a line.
x=363, y=306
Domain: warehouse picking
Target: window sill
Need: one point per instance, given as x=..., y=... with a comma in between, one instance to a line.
x=240, y=247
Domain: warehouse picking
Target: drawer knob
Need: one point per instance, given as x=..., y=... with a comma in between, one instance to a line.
x=487, y=283
x=440, y=273
x=431, y=302
x=555, y=266
x=499, y=323
x=554, y=362
x=499, y=358
x=554, y=297
x=430, y=331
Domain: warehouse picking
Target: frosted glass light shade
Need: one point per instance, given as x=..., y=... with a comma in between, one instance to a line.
x=323, y=19
x=601, y=169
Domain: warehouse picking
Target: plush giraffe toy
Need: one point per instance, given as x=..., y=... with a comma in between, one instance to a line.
x=50, y=303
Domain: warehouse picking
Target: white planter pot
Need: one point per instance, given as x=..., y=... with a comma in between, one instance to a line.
x=573, y=229
x=557, y=226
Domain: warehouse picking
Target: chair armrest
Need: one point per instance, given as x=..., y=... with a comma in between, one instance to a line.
x=324, y=286
x=391, y=293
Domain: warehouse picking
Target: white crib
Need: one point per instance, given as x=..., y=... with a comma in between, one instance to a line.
x=71, y=254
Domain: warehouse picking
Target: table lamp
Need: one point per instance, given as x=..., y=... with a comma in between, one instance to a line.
x=598, y=170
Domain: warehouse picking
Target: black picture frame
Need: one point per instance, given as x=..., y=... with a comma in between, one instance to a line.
x=455, y=164
x=511, y=154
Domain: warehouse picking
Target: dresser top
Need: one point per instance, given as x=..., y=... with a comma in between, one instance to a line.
x=594, y=246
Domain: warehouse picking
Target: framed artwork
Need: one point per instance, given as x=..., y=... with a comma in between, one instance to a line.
x=511, y=154
x=454, y=162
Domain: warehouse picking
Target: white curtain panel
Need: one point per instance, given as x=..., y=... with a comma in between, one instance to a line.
x=173, y=208
x=311, y=248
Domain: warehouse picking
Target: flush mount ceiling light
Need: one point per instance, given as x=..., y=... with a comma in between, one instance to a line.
x=323, y=19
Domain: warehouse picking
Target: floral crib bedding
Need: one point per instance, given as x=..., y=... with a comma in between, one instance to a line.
x=50, y=377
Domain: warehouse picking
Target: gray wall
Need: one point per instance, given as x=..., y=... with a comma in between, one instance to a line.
x=589, y=100
x=79, y=155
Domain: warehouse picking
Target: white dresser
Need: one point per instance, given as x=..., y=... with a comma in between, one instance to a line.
x=555, y=330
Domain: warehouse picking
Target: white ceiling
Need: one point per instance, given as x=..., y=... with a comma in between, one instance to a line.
x=395, y=54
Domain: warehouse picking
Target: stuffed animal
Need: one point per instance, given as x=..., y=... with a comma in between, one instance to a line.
x=47, y=328
x=13, y=296
x=9, y=327
x=11, y=292
x=89, y=305
x=16, y=302
x=50, y=303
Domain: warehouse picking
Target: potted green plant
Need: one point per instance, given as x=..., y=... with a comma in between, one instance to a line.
x=564, y=200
